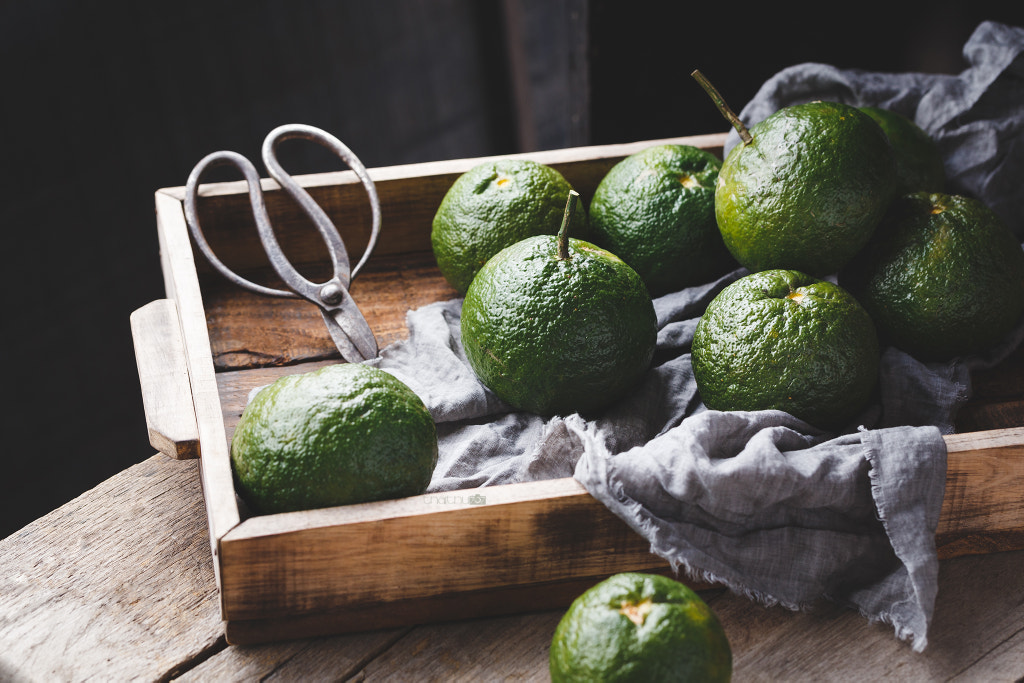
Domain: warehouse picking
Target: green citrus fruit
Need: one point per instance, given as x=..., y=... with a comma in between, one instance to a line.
x=493, y=205
x=943, y=277
x=656, y=211
x=339, y=435
x=639, y=627
x=808, y=191
x=918, y=161
x=555, y=336
x=780, y=339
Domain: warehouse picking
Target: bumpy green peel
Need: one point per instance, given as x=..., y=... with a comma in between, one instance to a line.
x=943, y=277
x=784, y=340
x=639, y=627
x=656, y=211
x=809, y=190
x=493, y=205
x=554, y=336
x=343, y=434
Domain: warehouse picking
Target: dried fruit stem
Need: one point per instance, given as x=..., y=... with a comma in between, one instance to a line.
x=723, y=107
x=563, y=231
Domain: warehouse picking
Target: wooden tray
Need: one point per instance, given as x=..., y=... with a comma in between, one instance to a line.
x=426, y=558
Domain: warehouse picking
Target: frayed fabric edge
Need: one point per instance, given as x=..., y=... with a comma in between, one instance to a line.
x=683, y=567
x=698, y=575
x=917, y=641
x=640, y=522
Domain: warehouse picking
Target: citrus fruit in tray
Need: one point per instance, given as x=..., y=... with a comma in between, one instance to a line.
x=943, y=277
x=640, y=627
x=805, y=188
x=554, y=325
x=781, y=339
x=656, y=211
x=339, y=435
x=918, y=160
x=493, y=205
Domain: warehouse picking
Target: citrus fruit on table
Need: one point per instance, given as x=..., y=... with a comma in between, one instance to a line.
x=919, y=165
x=557, y=333
x=808, y=191
x=781, y=339
x=339, y=435
x=656, y=211
x=943, y=277
x=492, y=206
x=640, y=627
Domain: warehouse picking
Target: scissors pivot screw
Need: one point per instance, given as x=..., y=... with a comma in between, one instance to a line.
x=331, y=294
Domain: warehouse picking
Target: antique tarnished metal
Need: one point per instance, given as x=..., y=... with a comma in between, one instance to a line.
x=346, y=324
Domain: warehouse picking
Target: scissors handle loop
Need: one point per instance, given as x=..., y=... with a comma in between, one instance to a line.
x=345, y=323
x=312, y=209
x=259, y=212
x=298, y=284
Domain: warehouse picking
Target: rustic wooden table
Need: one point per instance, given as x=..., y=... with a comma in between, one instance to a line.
x=118, y=584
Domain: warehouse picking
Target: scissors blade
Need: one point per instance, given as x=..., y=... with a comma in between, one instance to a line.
x=350, y=332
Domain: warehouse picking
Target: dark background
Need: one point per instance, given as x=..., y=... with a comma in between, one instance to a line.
x=104, y=103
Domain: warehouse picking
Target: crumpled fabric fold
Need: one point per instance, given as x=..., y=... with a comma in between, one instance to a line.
x=760, y=501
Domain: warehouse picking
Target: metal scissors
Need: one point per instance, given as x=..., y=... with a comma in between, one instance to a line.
x=346, y=324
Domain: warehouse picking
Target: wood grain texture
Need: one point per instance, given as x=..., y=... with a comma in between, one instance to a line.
x=117, y=584
x=248, y=330
x=975, y=634
x=523, y=535
x=983, y=510
x=163, y=376
x=433, y=609
x=322, y=659
x=509, y=648
x=183, y=286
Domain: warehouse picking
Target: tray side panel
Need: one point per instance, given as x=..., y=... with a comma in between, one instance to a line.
x=444, y=552
x=983, y=509
x=409, y=196
x=215, y=467
x=434, y=609
x=358, y=559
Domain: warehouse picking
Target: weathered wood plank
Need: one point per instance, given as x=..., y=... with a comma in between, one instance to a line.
x=975, y=634
x=983, y=415
x=496, y=602
x=117, y=584
x=300, y=564
x=250, y=331
x=183, y=286
x=322, y=659
x=163, y=375
x=982, y=510
x=507, y=648
x=409, y=196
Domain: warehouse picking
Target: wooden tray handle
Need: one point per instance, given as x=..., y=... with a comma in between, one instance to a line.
x=163, y=373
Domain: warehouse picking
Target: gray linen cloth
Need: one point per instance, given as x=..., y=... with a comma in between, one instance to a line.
x=762, y=502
